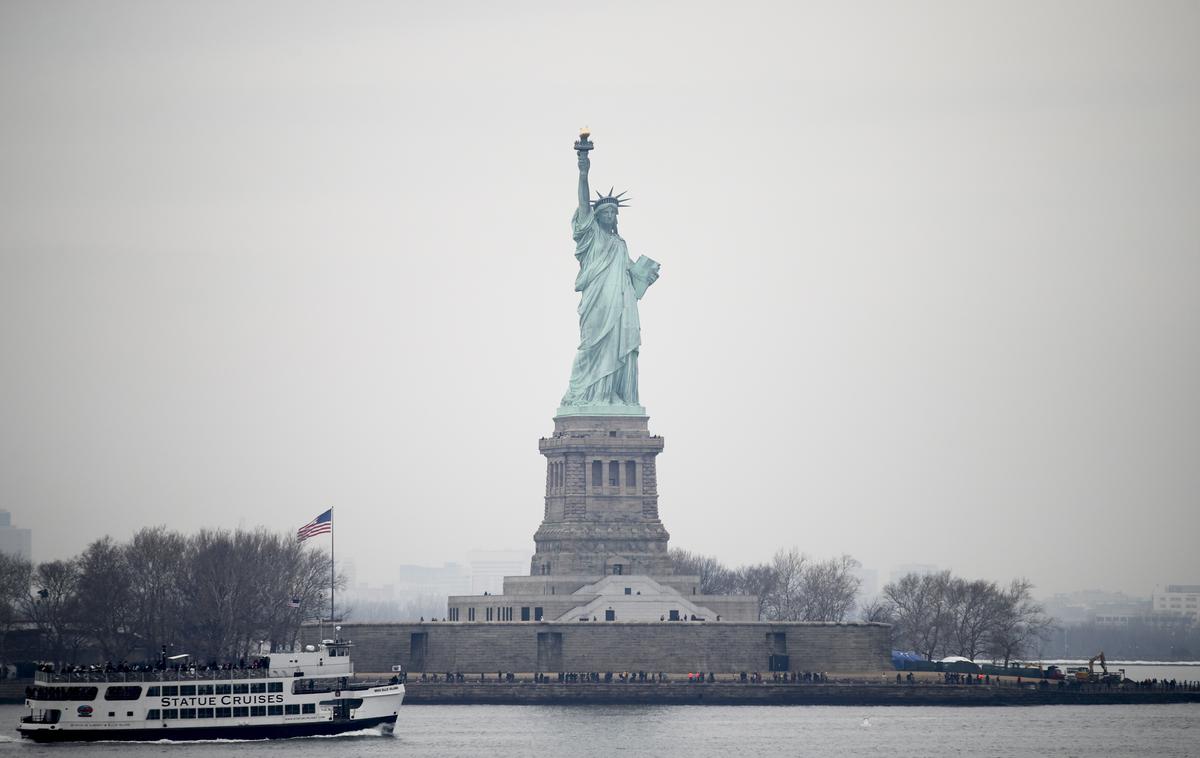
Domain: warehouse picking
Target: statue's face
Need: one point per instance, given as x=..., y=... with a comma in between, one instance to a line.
x=607, y=216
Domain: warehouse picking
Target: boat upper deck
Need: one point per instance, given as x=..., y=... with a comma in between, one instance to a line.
x=326, y=660
x=168, y=675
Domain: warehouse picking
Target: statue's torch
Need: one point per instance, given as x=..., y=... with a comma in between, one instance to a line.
x=583, y=144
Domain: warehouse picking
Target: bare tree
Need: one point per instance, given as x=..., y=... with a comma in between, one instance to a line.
x=919, y=608
x=805, y=590
x=154, y=559
x=973, y=608
x=1021, y=624
x=106, y=609
x=715, y=577
x=15, y=573
x=786, y=600
x=297, y=592
x=249, y=588
x=828, y=589
x=215, y=587
x=876, y=611
x=54, y=607
x=759, y=580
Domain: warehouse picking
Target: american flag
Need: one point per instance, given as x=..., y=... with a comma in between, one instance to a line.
x=322, y=524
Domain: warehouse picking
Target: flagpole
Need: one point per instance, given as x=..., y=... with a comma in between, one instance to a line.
x=332, y=570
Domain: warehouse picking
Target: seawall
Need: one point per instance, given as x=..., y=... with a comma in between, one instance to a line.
x=769, y=693
x=615, y=646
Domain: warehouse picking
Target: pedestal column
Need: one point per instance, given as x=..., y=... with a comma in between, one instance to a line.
x=601, y=513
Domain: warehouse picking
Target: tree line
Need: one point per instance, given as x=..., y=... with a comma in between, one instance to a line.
x=216, y=595
x=935, y=615
x=940, y=614
x=792, y=586
x=1147, y=639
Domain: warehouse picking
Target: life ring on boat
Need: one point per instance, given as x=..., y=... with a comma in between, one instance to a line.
x=337, y=693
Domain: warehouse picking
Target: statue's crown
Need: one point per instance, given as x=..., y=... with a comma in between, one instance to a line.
x=618, y=200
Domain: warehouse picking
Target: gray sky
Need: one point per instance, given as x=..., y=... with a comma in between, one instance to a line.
x=930, y=287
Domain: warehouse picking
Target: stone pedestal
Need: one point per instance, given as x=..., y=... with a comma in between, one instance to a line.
x=601, y=514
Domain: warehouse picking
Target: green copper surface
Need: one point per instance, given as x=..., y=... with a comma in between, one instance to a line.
x=604, y=377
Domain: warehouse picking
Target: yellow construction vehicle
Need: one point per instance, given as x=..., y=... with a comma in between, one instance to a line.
x=1088, y=675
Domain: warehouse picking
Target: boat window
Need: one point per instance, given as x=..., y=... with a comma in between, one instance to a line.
x=258, y=687
x=292, y=709
x=204, y=713
x=309, y=708
x=258, y=710
x=274, y=710
x=241, y=712
x=187, y=713
x=152, y=691
x=187, y=689
x=224, y=713
x=62, y=693
x=274, y=686
x=170, y=713
x=204, y=689
x=152, y=714
x=170, y=690
x=238, y=689
x=222, y=689
x=118, y=692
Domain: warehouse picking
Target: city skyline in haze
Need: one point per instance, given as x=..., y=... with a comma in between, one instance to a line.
x=930, y=283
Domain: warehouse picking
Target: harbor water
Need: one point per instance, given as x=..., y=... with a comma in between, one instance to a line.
x=453, y=731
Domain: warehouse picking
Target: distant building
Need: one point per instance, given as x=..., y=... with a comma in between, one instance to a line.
x=423, y=581
x=1121, y=614
x=920, y=569
x=14, y=540
x=1178, y=600
x=489, y=567
x=366, y=593
x=1097, y=606
x=868, y=584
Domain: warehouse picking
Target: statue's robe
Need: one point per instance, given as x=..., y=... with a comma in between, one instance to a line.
x=605, y=368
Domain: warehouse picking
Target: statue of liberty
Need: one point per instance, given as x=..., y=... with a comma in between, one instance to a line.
x=604, y=376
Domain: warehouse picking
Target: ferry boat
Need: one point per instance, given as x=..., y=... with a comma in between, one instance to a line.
x=299, y=694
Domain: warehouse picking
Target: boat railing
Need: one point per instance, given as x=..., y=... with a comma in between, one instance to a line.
x=167, y=675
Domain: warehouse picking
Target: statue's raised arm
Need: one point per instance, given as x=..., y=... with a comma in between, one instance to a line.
x=582, y=146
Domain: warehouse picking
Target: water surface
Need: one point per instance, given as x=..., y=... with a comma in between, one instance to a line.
x=482, y=730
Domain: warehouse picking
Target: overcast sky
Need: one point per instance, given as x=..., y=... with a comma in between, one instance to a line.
x=930, y=273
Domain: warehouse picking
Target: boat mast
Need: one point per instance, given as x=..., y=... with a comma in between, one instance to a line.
x=332, y=570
